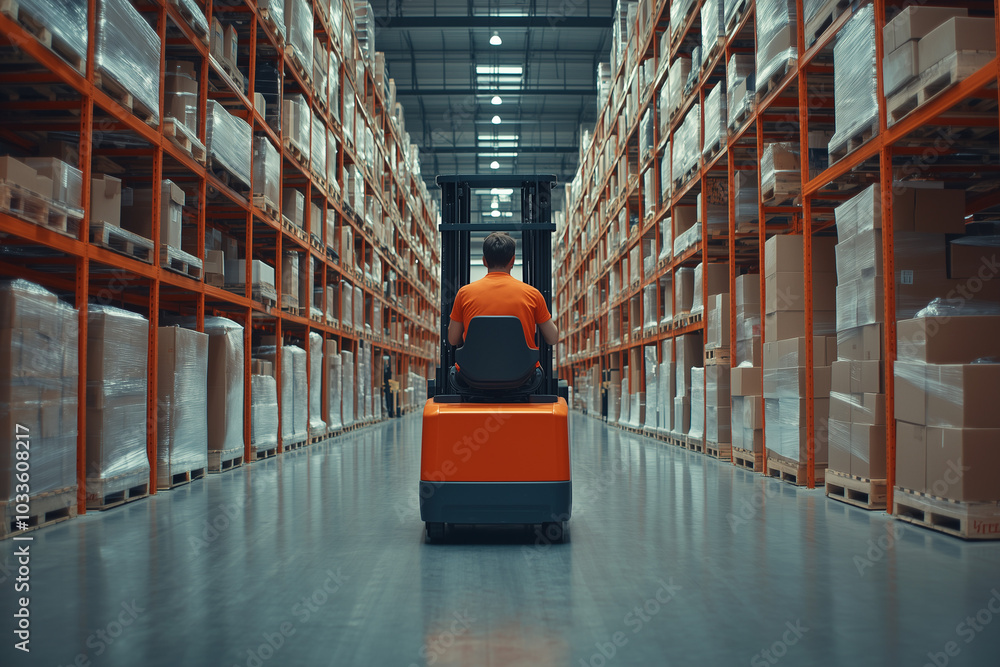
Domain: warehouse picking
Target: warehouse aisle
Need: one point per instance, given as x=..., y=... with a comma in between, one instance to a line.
x=317, y=558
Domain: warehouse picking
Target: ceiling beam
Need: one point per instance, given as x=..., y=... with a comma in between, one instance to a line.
x=524, y=92
x=492, y=22
x=486, y=149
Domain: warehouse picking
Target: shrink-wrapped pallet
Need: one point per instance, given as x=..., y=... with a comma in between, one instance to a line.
x=263, y=413
x=230, y=142
x=128, y=53
x=182, y=396
x=854, y=79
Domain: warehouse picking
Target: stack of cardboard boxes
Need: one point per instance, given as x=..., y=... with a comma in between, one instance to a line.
x=225, y=389
x=335, y=383
x=117, y=353
x=38, y=395
x=317, y=424
x=182, y=396
x=784, y=362
x=746, y=381
x=690, y=354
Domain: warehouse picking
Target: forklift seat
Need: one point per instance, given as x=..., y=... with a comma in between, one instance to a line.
x=495, y=356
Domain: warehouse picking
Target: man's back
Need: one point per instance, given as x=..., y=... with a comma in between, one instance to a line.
x=500, y=294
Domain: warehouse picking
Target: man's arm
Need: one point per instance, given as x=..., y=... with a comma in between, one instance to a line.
x=549, y=332
x=456, y=331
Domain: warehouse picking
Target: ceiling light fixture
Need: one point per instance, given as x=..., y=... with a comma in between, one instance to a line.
x=494, y=165
x=495, y=213
x=496, y=100
x=496, y=120
x=495, y=39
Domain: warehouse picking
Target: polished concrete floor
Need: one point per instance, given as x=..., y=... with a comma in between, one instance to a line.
x=318, y=558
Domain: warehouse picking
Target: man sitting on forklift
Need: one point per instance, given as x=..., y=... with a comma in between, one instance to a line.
x=498, y=293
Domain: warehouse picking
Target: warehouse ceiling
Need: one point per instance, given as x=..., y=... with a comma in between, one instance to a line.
x=539, y=83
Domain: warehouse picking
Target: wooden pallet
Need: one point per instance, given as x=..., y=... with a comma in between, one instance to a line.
x=266, y=205
x=103, y=494
x=719, y=450
x=292, y=446
x=230, y=74
x=687, y=319
x=185, y=11
x=44, y=509
x=737, y=16
x=970, y=521
x=261, y=454
x=121, y=94
x=824, y=18
x=934, y=81
x=713, y=51
x=122, y=241
x=868, y=494
x=221, y=460
x=168, y=480
x=269, y=20
x=183, y=138
x=31, y=207
x=291, y=57
x=854, y=141
x=719, y=357
x=37, y=27
x=750, y=460
x=179, y=261
x=694, y=444
x=294, y=230
x=793, y=473
x=316, y=439
x=765, y=87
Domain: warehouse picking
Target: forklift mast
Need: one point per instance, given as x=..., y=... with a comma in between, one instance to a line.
x=536, y=229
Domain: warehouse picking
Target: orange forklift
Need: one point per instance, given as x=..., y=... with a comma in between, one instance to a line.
x=495, y=440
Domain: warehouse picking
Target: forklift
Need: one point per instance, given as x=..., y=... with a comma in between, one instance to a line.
x=495, y=438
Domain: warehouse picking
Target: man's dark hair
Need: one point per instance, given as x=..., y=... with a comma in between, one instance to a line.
x=498, y=250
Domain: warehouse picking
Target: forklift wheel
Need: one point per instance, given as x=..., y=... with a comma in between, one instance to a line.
x=435, y=531
x=553, y=532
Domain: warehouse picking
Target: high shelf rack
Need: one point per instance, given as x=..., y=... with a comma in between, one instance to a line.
x=800, y=101
x=41, y=94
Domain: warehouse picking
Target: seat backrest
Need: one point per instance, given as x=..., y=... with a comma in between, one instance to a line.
x=495, y=354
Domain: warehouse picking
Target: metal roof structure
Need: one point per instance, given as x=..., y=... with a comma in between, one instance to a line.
x=475, y=107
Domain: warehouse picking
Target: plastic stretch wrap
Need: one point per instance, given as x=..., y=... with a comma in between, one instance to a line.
x=317, y=152
x=718, y=423
x=665, y=393
x=346, y=305
x=739, y=98
x=713, y=25
x=225, y=383
x=666, y=240
x=810, y=9
x=299, y=31
x=646, y=134
x=263, y=412
x=676, y=79
x=666, y=288
x=746, y=197
x=956, y=396
x=732, y=11
x=67, y=181
x=334, y=85
x=331, y=161
x=776, y=43
x=652, y=387
x=854, y=76
x=182, y=396
x=687, y=144
x=197, y=18
x=294, y=394
x=666, y=182
x=614, y=334
x=128, y=52
x=321, y=73
x=614, y=401
x=697, y=302
x=625, y=401
x=276, y=11
x=679, y=11
x=347, y=397
x=266, y=171
x=335, y=382
x=117, y=354
x=695, y=74
x=785, y=428
x=316, y=424
x=230, y=142
x=697, y=429
x=636, y=412
x=65, y=19
x=717, y=322
x=687, y=239
x=295, y=121
x=349, y=107
x=716, y=117
x=359, y=308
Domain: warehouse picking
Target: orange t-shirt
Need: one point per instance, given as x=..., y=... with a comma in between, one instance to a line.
x=499, y=293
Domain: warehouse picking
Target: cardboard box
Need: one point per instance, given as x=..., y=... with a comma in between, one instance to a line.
x=746, y=381
x=215, y=268
x=868, y=409
x=962, y=464
x=15, y=171
x=900, y=67
x=963, y=396
x=137, y=215
x=785, y=252
x=293, y=204
x=260, y=104
x=748, y=291
x=106, y=200
x=961, y=33
x=910, y=386
x=218, y=41
x=868, y=459
x=866, y=377
x=861, y=343
x=225, y=387
x=792, y=324
x=911, y=456
x=236, y=272
x=972, y=261
x=841, y=406
x=683, y=290
x=915, y=22
x=955, y=340
x=928, y=210
x=839, y=440
x=786, y=292
x=67, y=181
x=231, y=46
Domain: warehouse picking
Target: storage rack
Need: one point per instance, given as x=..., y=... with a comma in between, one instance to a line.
x=40, y=92
x=801, y=100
